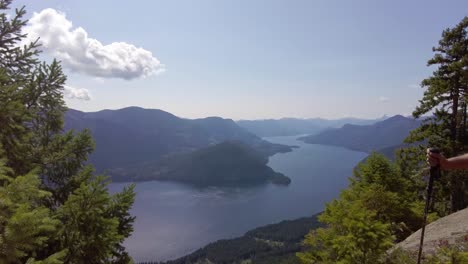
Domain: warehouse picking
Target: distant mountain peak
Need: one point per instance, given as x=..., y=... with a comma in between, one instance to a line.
x=383, y=134
x=396, y=118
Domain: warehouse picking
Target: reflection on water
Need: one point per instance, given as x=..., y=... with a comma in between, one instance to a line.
x=175, y=219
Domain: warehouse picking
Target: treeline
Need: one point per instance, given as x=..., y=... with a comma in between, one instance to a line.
x=271, y=244
x=53, y=209
x=385, y=200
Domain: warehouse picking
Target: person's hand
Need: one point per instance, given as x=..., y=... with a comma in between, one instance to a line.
x=434, y=159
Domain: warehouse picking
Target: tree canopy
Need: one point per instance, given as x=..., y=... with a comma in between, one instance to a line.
x=53, y=209
x=384, y=201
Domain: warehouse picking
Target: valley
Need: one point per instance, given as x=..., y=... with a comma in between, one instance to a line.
x=174, y=219
x=233, y=132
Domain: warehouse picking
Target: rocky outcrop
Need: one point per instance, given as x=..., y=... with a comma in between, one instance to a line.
x=446, y=231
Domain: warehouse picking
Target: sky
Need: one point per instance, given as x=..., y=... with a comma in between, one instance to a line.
x=244, y=59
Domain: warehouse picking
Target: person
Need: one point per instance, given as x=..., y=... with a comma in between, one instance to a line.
x=459, y=162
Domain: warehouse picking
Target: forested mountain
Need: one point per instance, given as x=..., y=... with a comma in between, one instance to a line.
x=385, y=134
x=227, y=163
x=297, y=126
x=134, y=135
x=270, y=244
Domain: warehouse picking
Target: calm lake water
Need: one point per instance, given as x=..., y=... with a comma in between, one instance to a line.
x=174, y=219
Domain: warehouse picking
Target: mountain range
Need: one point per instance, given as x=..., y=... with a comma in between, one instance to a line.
x=132, y=136
x=135, y=144
x=297, y=126
x=382, y=136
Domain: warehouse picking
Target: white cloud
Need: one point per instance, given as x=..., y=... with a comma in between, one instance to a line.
x=383, y=99
x=76, y=93
x=87, y=55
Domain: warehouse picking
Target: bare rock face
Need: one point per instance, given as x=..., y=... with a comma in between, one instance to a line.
x=446, y=231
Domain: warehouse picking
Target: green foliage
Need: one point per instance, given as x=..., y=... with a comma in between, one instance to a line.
x=56, y=258
x=88, y=234
x=52, y=208
x=25, y=224
x=353, y=235
x=378, y=170
x=453, y=254
x=376, y=210
x=63, y=162
x=445, y=95
x=286, y=231
x=400, y=256
x=383, y=202
x=383, y=188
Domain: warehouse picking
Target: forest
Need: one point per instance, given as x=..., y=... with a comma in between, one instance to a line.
x=384, y=202
x=55, y=209
x=274, y=244
x=230, y=163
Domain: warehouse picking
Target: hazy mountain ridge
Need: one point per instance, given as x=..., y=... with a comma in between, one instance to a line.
x=133, y=135
x=383, y=135
x=298, y=126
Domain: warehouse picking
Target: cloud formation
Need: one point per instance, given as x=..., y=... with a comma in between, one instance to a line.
x=87, y=55
x=76, y=93
x=383, y=99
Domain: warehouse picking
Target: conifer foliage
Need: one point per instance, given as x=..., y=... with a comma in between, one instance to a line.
x=445, y=101
x=375, y=211
x=384, y=202
x=52, y=208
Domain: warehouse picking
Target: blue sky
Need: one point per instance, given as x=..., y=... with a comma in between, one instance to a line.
x=258, y=59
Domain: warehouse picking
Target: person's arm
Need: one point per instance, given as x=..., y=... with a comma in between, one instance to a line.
x=459, y=162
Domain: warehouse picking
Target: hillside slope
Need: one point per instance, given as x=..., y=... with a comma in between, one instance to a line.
x=297, y=126
x=134, y=135
x=367, y=138
x=223, y=164
x=270, y=244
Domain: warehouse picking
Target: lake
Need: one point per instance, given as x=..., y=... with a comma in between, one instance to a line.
x=175, y=219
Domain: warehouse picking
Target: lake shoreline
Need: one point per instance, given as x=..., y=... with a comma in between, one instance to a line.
x=174, y=219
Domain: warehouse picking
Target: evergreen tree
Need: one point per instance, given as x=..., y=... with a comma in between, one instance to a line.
x=53, y=209
x=353, y=235
x=376, y=210
x=25, y=225
x=445, y=97
x=383, y=202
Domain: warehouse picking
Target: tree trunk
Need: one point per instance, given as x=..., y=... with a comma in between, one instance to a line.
x=455, y=192
x=463, y=140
